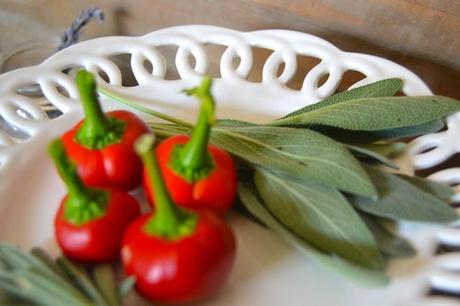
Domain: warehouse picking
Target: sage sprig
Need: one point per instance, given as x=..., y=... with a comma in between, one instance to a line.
x=309, y=175
x=37, y=279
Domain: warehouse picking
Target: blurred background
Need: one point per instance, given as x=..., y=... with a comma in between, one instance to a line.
x=423, y=35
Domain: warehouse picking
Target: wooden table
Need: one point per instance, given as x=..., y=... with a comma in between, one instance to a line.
x=423, y=35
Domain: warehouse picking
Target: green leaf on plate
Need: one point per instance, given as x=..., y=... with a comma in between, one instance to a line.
x=439, y=190
x=233, y=123
x=79, y=276
x=383, y=88
x=299, y=153
x=348, y=136
x=104, y=279
x=399, y=199
x=357, y=273
x=387, y=149
x=378, y=113
x=320, y=215
x=389, y=244
x=363, y=152
x=46, y=259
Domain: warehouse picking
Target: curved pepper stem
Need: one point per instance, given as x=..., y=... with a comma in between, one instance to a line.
x=96, y=123
x=83, y=204
x=68, y=172
x=97, y=130
x=169, y=221
x=194, y=158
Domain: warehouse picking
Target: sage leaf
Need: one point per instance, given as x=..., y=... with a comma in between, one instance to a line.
x=439, y=190
x=348, y=136
x=298, y=153
x=81, y=279
x=355, y=272
x=320, y=215
x=383, y=88
x=378, y=113
x=104, y=280
x=387, y=149
x=399, y=199
x=233, y=123
x=388, y=243
x=361, y=151
x=45, y=258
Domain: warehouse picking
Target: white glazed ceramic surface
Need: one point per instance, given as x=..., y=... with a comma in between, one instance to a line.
x=267, y=271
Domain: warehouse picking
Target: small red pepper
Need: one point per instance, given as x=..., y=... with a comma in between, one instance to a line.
x=101, y=145
x=198, y=175
x=90, y=223
x=176, y=255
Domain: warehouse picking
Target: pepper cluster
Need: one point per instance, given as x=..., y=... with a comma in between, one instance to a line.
x=180, y=252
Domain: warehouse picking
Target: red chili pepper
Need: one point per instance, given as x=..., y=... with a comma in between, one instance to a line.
x=176, y=255
x=90, y=223
x=198, y=175
x=101, y=145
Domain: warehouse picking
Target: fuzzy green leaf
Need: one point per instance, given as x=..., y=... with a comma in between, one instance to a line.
x=234, y=123
x=379, y=113
x=104, y=280
x=298, y=153
x=388, y=243
x=387, y=149
x=399, y=199
x=348, y=136
x=383, y=88
x=320, y=215
x=355, y=272
x=45, y=258
x=363, y=152
x=80, y=277
x=439, y=190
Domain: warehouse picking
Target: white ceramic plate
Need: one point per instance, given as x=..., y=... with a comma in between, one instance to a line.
x=267, y=271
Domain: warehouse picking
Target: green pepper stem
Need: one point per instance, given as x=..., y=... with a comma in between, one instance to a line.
x=96, y=123
x=194, y=154
x=68, y=172
x=168, y=219
x=138, y=106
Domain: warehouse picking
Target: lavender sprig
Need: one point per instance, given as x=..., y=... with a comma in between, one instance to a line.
x=72, y=34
